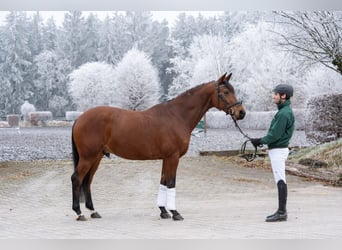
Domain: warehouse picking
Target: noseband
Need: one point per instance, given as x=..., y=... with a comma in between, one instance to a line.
x=221, y=97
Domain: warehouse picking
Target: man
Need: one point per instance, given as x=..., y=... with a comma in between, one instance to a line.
x=277, y=140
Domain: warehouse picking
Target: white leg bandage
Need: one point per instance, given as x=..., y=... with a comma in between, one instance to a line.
x=162, y=196
x=278, y=157
x=171, y=199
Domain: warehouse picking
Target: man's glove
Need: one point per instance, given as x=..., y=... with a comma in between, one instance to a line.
x=256, y=142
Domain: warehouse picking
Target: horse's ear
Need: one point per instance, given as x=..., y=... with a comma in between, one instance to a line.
x=228, y=77
x=221, y=79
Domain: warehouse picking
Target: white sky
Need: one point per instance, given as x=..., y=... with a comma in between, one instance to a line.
x=170, y=16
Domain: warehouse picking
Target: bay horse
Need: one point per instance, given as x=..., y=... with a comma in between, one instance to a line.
x=160, y=132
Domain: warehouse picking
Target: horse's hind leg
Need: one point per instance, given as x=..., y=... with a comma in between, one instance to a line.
x=77, y=177
x=87, y=190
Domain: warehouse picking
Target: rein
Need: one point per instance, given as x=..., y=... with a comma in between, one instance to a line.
x=247, y=157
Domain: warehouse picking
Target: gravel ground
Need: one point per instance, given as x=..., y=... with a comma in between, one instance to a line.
x=54, y=143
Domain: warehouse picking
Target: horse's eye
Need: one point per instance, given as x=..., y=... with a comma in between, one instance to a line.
x=226, y=92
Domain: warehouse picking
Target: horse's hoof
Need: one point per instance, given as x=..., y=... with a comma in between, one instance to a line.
x=177, y=217
x=165, y=215
x=95, y=215
x=81, y=218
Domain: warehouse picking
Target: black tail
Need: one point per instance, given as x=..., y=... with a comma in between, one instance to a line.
x=76, y=158
x=75, y=155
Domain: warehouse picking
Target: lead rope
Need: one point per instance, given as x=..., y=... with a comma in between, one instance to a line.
x=247, y=157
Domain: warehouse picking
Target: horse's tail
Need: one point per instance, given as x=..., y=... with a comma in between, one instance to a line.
x=75, y=155
x=76, y=158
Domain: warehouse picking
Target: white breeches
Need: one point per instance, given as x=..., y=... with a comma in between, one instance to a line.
x=167, y=197
x=278, y=157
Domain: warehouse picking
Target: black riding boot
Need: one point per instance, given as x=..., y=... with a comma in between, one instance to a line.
x=280, y=214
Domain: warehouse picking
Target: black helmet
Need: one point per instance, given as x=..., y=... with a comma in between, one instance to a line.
x=284, y=89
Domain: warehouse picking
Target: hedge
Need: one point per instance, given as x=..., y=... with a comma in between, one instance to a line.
x=323, y=120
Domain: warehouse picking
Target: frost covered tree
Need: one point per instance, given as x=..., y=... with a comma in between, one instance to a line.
x=35, y=35
x=183, y=32
x=320, y=80
x=231, y=23
x=51, y=83
x=158, y=46
x=92, y=85
x=314, y=35
x=50, y=35
x=46, y=78
x=208, y=58
x=138, y=28
x=137, y=81
x=71, y=39
x=5, y=96
x=16, y=61
x=211, y=57
x=109, y=48
x=91, y=38
x=259, y=65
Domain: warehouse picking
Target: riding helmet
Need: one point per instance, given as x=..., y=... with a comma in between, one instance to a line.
x=284, y=89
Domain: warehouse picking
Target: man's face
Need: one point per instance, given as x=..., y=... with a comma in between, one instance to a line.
x=278, y=99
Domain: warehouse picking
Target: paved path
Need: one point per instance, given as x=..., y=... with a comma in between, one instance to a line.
x=216, y=198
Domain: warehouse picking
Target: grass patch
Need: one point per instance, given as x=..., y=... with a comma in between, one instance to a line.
x=330, y=153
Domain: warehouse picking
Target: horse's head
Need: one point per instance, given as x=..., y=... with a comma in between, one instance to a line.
x=226, y=100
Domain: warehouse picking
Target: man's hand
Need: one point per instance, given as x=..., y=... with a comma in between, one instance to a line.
x=256, y=142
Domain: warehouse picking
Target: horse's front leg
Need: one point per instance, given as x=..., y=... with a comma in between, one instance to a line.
x=167, y=189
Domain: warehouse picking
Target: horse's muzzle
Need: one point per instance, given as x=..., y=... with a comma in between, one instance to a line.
x=241, y=115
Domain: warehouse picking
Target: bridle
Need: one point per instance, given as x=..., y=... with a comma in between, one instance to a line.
x=221, y=97
x=247, y=157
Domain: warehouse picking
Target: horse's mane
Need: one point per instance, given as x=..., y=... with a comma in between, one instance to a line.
x=188, y=91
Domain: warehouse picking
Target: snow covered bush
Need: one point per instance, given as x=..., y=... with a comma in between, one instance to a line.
x=137, y=82
x=323, y=118
x=92, y=84
x=25, y=109
x=299, y=115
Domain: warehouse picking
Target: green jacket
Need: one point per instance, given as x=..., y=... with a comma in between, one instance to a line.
x=281, y=128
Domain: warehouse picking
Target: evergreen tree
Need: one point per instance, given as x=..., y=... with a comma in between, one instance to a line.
x=71, y=38
x=108, y=50
x=160, y=51
x=16, y=62
x=50, y=34
x=91, y=38
x=35, y=35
